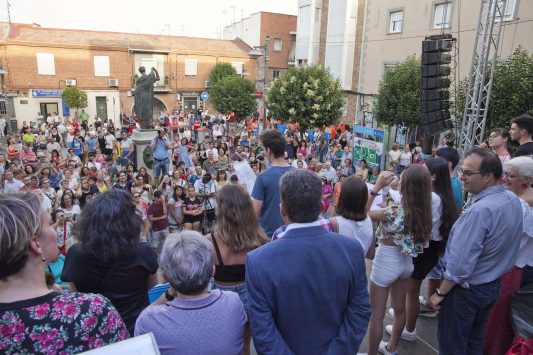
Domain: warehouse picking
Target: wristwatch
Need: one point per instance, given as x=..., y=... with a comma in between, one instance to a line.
x=443, y=295
x=168, y=296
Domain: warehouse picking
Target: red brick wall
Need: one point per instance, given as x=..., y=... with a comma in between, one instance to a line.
x=278, y=26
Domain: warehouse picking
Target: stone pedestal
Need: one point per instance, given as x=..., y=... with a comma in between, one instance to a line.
x=142, y=139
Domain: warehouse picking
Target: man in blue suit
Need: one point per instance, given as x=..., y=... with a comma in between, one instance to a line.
x=308, y=290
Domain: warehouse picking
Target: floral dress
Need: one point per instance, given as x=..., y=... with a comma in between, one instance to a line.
x=64, y=233
x=59, y=324
x=394, y=229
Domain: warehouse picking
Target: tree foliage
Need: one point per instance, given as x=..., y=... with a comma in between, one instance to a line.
x=512, y=90
x=220, y=71
x=308, y=95
x=234, y=94
x=74, y=97
x=399, y=95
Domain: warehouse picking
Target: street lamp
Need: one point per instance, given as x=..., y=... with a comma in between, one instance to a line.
x=256, y=53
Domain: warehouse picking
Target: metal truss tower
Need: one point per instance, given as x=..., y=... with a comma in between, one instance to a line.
x=477, y=101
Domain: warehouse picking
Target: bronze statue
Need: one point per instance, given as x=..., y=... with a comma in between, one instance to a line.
x=144, y=96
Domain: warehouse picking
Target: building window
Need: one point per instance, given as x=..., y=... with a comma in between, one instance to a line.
x=45, y=64
x=508, y=14
x=277, y=45
x=3, y=108
x=317, y=14
x=101, y=65
x=388, y=67
x=238, y=67
x=396, y=22
x=276, y=73
x=191, y=67
x=442, y=15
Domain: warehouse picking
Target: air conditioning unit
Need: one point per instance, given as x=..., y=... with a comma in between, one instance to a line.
x=70, y=82
x=207, y=83
x=113, y=82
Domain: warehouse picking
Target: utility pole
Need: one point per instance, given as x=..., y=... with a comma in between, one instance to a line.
x=265, y=80
x=9, y=11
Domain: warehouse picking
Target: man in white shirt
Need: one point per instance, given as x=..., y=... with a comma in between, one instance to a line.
x=300, y=157
x=109, y=140
x=328, y=172
x=213, y=150
x=62, y=130
x=10, y=183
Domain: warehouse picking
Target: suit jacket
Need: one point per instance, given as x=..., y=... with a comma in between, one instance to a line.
x=307, y=294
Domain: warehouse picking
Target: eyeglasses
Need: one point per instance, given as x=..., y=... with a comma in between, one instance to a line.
x=492, y=136
x=467, y=174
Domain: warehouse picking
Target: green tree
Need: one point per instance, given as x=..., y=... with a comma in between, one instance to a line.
x=220, y=71
x=308, y=95
x=512, y=90
x=74, y=97
x=234, y=94
x=399, y=95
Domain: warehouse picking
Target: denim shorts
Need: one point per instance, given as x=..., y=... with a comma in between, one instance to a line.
x=160, y=167
x=239, y=289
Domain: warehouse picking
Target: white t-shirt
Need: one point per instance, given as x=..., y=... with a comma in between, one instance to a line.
x=109, y=139
x=13, y=186
x=436, y=212
x=394, y=155
x=525, y=253
x=405, y=158
x=361, y=231
x=125, y=144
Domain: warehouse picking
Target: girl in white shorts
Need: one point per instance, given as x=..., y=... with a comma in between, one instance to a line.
x=405, y=230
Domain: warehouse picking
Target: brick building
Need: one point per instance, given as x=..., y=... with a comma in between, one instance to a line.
x=281, y=29
x=38, y=62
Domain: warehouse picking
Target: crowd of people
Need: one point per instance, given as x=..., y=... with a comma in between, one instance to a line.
x=243, y=224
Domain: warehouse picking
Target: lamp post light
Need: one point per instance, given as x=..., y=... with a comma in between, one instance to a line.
x=256, y=53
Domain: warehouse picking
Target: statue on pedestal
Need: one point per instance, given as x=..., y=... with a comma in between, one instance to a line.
x=144, y=96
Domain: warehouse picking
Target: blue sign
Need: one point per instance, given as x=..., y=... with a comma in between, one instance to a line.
x=46, y=93
x=378, y=134
x=204, y=96
x=66, y=109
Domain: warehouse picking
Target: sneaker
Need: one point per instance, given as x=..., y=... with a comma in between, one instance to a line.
x=425, y=310
x=383, y=349
x=406, y=335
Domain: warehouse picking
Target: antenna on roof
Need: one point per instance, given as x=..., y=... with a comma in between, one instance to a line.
x=8, y=11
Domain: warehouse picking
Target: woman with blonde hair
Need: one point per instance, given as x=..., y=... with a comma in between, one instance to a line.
x=237, y=232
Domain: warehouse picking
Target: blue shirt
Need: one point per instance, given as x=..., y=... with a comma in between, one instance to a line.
x=311, y=135
x=76, y=146
x=457, y=193
x=91, y=144
x=484, y=241
x=266, y=189
x=160, y=151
